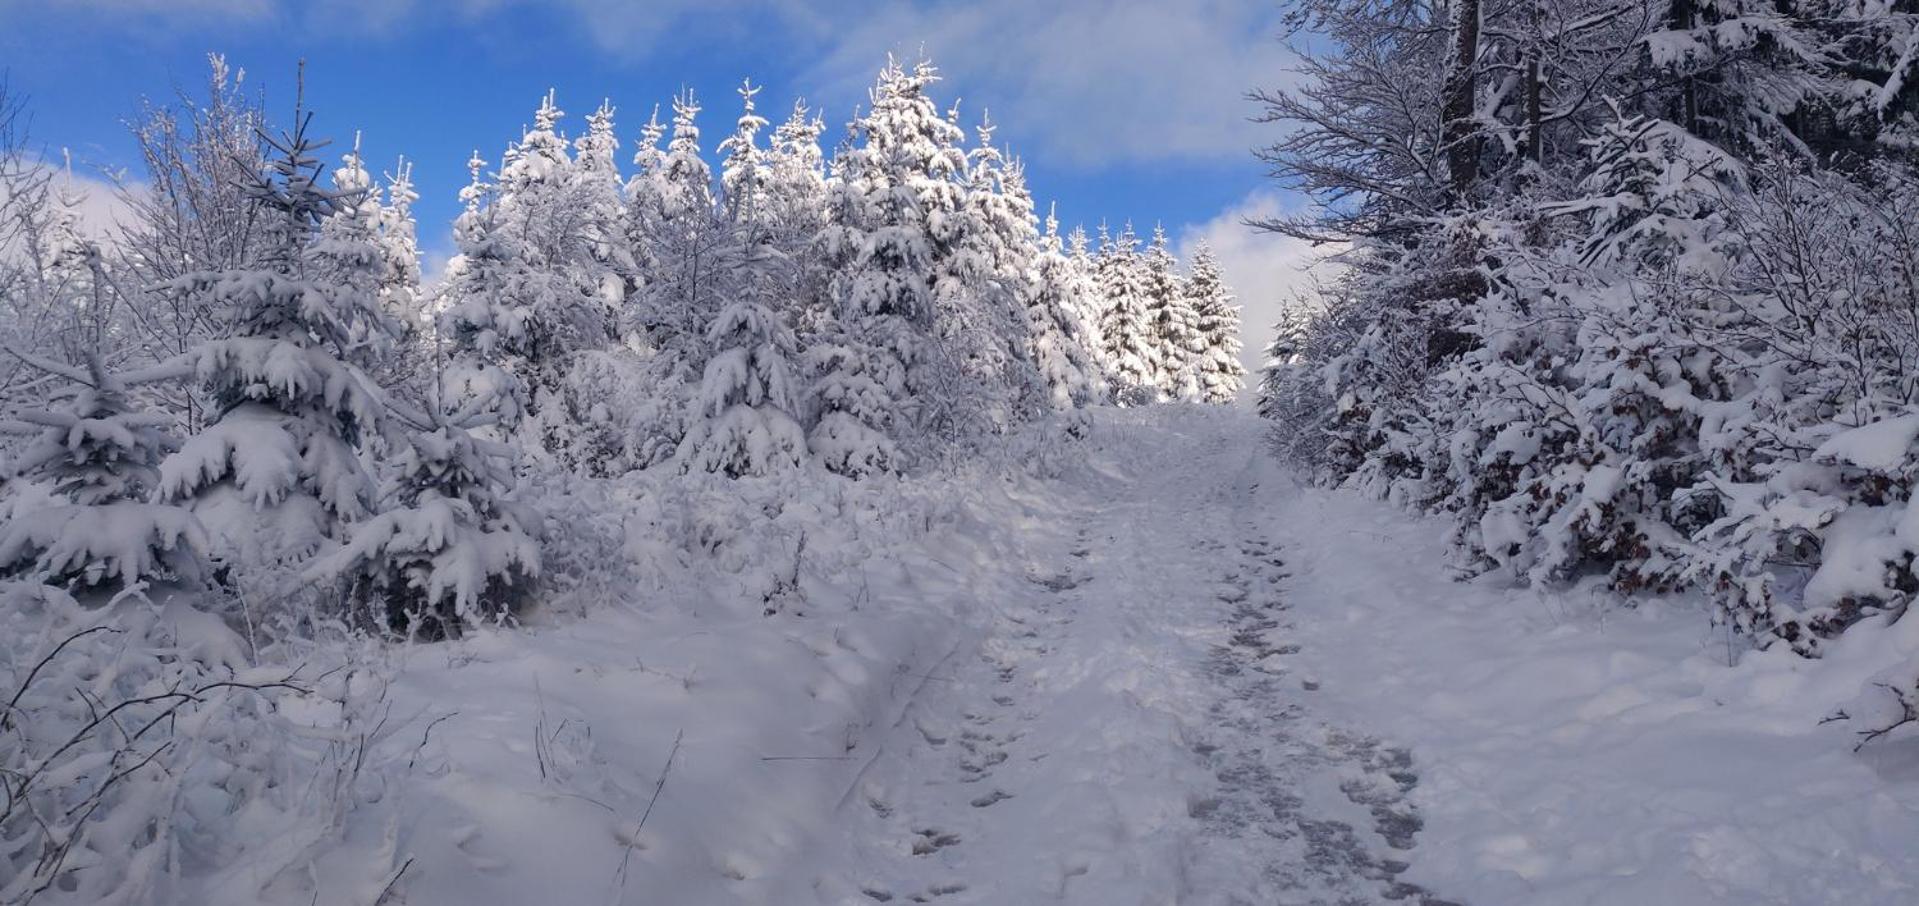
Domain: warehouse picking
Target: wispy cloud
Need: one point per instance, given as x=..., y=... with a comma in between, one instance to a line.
x=1092, y=81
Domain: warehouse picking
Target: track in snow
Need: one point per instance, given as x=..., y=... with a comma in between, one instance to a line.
x=1127, y=730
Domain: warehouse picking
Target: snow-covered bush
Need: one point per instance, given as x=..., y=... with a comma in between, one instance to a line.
x=141, y=753
x=1663, y=334
x=446, y=552
x=748, y=399
x=75, y=511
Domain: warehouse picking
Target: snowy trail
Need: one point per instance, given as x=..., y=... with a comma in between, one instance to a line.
x=1167, y=674
x=1127, y=730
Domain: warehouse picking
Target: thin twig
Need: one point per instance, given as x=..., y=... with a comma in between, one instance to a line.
x=394, y=880
x=634, y=840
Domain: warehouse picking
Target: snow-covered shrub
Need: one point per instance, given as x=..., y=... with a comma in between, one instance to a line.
x=1350, y=379
x=74, y=511
x=747, y=403
x=141, y=754
x=448, y=552
x=1666, y=333
x=1813, y=467
x=584, y=526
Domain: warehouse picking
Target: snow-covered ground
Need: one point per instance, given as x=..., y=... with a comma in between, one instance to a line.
x=1157, y=672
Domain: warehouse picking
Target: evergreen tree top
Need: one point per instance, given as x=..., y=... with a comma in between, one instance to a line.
x=686, y=129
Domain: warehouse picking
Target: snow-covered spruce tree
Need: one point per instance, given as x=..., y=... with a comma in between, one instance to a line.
x=743, y=170
x=595, y=188
x=483, y=320
x=1062, y=339
x=677, y=231
x=1006, y=237
x=795, y=213
x=1176, y=338
x=879, y=250
x=645, y=204
x=407, y=356
x=445, y=553
x=958, y=383
x=1216, y=367
x=348, y=254
x=746, y=420
x=74, y=510
x=565, y=301
x=276, y=473
x=688, y=263
x=1126, y=327
x=400, y=290
x=1091, y=308
x=748, y=400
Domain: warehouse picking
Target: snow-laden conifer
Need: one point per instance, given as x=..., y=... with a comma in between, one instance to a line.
x=1062, y=340
x=74, y=511
x=1175, y=325
x=1216, y=367
x=445, y=552
x=276, y=472
x=879, y=246
x=1126, y=327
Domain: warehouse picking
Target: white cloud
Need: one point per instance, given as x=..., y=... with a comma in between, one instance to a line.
x=99, y=204
x=1267, y=271
x=1092, y=81
x=95, y=200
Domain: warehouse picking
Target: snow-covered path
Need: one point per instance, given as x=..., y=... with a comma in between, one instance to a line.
x=1127, y=729
x=1157, y=671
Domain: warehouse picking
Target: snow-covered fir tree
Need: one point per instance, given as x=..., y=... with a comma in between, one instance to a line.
x=1062, y=339
x=73, y=499
x=488, y=323
x=880, y=249
x=678, y=234
x=349, y=255
x=748, y=401
x=276, y=472
x=795, y=212
x=1005, y=241
x=743, y=170
x=445, y=553
x=595, y=185
x=1177, y=342
x=1092, y=305
x=1216, y=368
x=958, y=383
x=1126, y=326
x=401, y=295
x=746, y=419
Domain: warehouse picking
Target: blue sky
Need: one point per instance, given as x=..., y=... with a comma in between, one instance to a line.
x=1122, y=110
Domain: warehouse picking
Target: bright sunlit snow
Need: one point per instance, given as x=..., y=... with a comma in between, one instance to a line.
x=875, y=481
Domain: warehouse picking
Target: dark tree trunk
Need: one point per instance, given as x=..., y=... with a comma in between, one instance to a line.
x=1462, y=157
